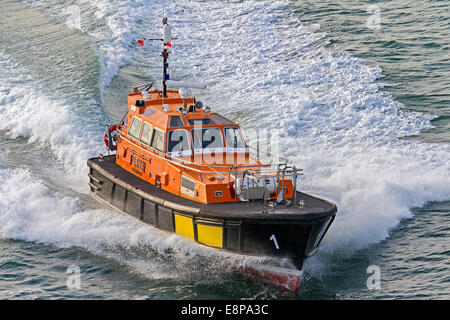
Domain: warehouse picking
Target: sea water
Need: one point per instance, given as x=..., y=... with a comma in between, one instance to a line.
x=358, y=93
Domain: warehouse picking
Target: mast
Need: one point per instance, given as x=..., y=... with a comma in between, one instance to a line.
x=167, y=38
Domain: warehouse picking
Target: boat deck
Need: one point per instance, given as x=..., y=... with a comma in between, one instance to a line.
x=312, y=209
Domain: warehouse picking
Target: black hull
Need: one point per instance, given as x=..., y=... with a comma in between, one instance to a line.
x=239, y=227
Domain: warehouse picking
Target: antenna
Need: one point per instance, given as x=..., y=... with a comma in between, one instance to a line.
x=167, y=38
x=167, y=43
x=164, y=14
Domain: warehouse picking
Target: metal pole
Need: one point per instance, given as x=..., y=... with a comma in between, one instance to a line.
x=235, y=184
x=295, y=187
x=165, y=55
x=257, y=145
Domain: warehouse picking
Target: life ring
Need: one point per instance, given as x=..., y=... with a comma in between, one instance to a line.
x=111, y=132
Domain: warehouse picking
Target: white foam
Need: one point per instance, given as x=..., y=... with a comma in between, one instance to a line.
x=26, y=111
x=327, y=106
x=30, y=211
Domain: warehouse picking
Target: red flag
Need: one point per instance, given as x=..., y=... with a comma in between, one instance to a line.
x=169, y=45
x=141, y=42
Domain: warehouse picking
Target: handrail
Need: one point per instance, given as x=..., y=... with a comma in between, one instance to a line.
x=264, y=171
x=194, y=163
x=270, y=155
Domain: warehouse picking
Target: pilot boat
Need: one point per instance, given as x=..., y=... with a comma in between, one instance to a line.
x=181, y=167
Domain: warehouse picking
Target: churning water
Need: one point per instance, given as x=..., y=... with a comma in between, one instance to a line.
x=359, y=93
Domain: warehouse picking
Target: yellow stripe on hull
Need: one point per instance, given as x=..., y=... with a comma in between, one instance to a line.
x=210, y=235
x=184, y=226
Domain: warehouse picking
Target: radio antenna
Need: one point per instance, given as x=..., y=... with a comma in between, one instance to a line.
x=164, y=14
x=167, y=43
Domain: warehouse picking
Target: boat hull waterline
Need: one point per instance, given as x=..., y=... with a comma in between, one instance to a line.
x=291, y=234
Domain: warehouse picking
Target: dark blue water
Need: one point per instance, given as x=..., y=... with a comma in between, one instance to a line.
x=362, y=102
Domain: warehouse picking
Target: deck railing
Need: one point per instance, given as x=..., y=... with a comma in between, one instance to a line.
x=191, y=165
x=253, y=171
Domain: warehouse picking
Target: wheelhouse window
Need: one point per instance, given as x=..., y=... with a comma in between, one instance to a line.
x=178, y=142
x=233, y=138
x=146, y=134
x=206, y=138
x=135, y=128
x=176, y=121
x=158, y=139
x=201, y=122
x=221, y=119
